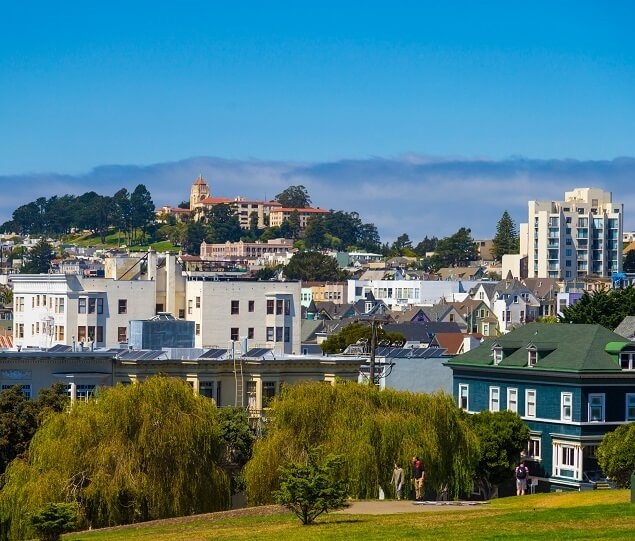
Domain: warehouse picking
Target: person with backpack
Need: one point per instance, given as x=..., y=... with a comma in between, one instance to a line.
x=522, y=473
x=397, y=480
x=418, y=475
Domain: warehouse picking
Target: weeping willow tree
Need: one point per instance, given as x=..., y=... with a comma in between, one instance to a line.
x=137, y=452
x=372, y=429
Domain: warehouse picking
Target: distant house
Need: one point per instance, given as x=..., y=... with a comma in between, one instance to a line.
x=569, y=383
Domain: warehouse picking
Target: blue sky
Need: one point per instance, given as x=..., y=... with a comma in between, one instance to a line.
x=86, y=84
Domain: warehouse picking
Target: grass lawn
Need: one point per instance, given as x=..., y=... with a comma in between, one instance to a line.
x=600, y=514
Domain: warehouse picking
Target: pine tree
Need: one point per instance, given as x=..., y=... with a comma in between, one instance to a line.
x=506, y=238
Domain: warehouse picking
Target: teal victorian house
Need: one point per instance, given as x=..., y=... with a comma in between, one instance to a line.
x=569, y=383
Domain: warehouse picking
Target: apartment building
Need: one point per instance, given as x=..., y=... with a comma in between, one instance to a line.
x=575, y=238
x=280, y=214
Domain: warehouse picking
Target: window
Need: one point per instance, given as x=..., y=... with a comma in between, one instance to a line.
x=59, y=333
x=533, y=357
x=198, y=329
x=494, y=398
x=287, y=307
x=268, y=392
x=270, y=306
x=123, y=306
x=530, y=403
x=198, y=302
x=533, y=448
x=627, y=361
x=181, y=313
x=512, y=399
x=279, y=306
x=278, y=334
x=19, y=331
x=463, y=396
x=498, y=355
x=81, y=333
x=233, y=333
x=19, y=304
x=100, y=305
x=189, y=306
x=269, y=334
x=206, y=389
x=596, y=407
x=122, y=334
x=100, y=333
x=235, y=307
x=250, y=333
x=630, y=406
x=81, y=306
x=92, y=306
x=250, y=306
x=287, y=334
x=568, y=456
x=250, y=394
x=25, y=390
x=565, y=406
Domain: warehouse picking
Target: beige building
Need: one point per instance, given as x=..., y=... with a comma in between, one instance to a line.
x=574, y=238
x=201, y=199
x=246, y=250
x=280, y=214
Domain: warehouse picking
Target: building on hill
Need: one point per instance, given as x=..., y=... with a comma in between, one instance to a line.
x=201, y=199
x=279, y=214
x=570, y=384
x=574, y=238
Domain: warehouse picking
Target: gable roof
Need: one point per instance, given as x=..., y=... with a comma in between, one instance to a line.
x=452, y=342
x=627, y=328
x=561, y=347
x=423, y=331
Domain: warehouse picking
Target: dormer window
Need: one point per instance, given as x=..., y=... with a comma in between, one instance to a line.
x=627, y=360
x=498, y=355
x=532, y=357
x=515, y=299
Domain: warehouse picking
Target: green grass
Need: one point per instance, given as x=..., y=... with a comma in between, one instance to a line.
x=114, y=240
x=575, y=515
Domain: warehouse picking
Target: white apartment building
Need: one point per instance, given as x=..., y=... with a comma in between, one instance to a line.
x=404, y=294
x=266, y=314
x=50, y=309
x=575, y=238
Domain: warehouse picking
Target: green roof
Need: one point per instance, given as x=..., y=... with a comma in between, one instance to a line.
x=560, y=346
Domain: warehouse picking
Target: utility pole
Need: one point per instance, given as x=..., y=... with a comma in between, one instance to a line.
x=373, y=347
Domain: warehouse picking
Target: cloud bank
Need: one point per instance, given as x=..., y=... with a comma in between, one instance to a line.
x=411, y=194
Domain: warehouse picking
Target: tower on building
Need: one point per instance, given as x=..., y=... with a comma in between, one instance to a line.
x=199, y=191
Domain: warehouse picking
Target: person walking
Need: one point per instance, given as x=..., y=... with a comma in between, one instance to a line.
x=397, y=480
x=522, y=473
x=418, y=475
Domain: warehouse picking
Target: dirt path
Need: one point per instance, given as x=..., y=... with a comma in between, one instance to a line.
x=388, y=507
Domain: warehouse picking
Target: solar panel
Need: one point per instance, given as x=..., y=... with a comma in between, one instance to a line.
x=213, y=354
x=60, y=347
x=258, y=352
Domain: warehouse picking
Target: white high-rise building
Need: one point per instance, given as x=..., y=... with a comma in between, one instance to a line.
x=575, y=238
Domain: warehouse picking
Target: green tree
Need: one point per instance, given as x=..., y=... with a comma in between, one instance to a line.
x=629, y=261
x=313, y=487
x=138, y=452
x=606, y=308
x=506, y=239
x=314, y=233
x=142, y=209
x=502, y=436
x=239, y=439
x=54, y=519
x=400, y=245
x=39, y=258
x=294, y=197
x=355, y=332
x=222, y=224
x=426, y=245
x=371, y=429
x=458, y=249
x=313, y=266
x=616, y=455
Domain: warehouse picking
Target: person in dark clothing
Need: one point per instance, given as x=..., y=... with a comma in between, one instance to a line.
x=418, y=475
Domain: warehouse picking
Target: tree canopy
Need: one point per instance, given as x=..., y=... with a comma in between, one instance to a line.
x=39, y=258
x=138, y=452
x=606, y=308
x=371, y=429
x=616, y=454
x=294, y=197
x=456, y=250
x=506, y=239
x=629, y=261
x=354, y=332
x=313, y=266
x=502, y=436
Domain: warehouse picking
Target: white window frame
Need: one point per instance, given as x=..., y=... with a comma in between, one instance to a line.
x=531, y=403
x=532, y=356
x=566, y=406
x=534, y=444
x=629, y=357
x=512, y=399
x=494, y=399
x=601, y=404
x=629, y=406
x=464, y=387
x=567, y=456
x=498, y=354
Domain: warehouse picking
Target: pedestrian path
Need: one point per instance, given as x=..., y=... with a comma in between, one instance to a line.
x=388, y=507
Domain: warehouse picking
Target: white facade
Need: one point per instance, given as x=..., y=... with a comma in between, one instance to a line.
x=574, y=238
x=266, y=313
x=52, y=309
x=404, y=294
